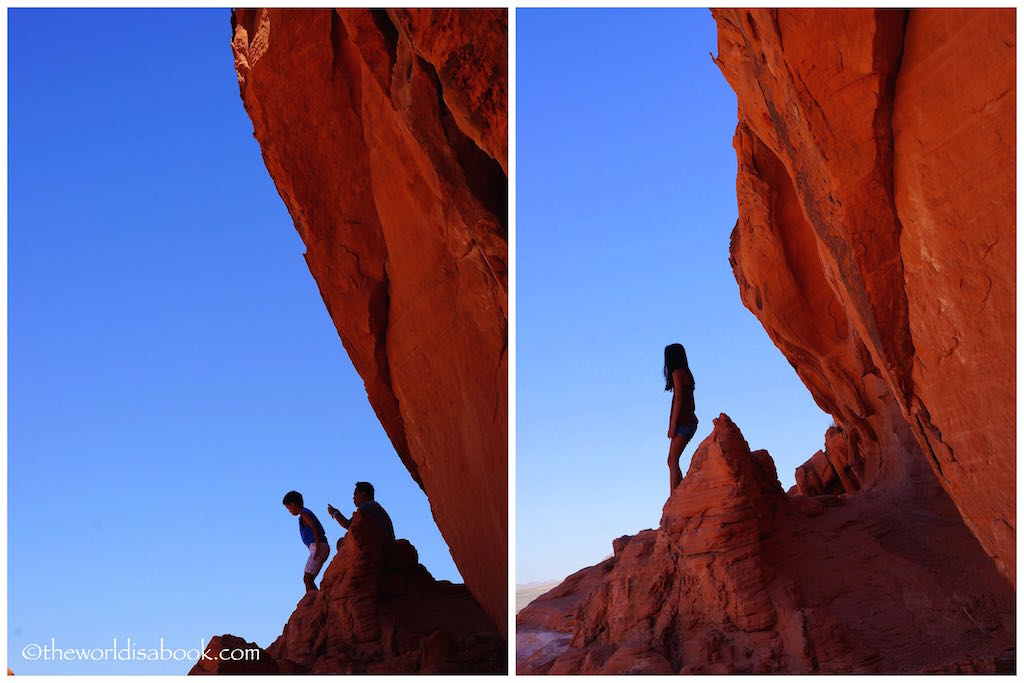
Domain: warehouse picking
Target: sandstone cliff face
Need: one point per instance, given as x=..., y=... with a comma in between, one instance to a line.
x=377, y=611
x=876, y=236
x=740, y=577
x=385, y=132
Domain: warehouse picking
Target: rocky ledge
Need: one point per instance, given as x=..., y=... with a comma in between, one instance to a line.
x=742, y=578
x=377, y=611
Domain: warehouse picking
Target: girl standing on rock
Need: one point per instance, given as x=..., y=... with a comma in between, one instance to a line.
x=682, y=423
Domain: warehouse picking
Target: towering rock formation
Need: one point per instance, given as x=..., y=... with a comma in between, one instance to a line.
x=875, y=243
x=385, y=132
x=876, y=237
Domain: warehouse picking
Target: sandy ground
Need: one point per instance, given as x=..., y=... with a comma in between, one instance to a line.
x=526, y=592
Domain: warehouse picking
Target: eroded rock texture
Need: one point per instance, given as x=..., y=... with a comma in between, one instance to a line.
x=741, y=577
x=876, y=236
x=836, y=469
x=385, y=132
x=377, y=611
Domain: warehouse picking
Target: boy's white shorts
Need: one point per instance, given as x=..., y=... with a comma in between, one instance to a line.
x=315, y=561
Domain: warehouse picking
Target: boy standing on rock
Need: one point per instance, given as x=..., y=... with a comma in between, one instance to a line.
x=313, y=537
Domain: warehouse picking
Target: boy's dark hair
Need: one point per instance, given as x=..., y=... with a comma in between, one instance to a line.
x=366, y=487
x=292, y=497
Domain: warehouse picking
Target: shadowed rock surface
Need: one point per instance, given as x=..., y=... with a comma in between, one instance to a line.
x=385, y=132
x=240, y=657
x=377, y=611
x=875, y=243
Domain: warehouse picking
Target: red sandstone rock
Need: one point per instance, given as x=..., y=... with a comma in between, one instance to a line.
x=377, y=611
x=955, y=182
x=252, y=659
x=835, y=470
x=742, y=578
x=385, y=132
x=876, y=236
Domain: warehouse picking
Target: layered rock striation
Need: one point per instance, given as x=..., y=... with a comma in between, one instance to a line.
x=876, y=236
x=377, y=611
x=742, y=578
x=385, y=132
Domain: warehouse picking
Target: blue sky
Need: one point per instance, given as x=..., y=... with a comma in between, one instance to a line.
x=625, y=199
x=172, y=368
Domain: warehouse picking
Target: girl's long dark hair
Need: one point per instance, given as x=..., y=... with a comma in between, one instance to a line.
x=675, y=358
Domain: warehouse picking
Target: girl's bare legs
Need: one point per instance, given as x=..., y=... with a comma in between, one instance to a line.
x=675, y=450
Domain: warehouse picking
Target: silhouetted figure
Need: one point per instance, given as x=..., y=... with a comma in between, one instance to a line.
x=313, y=537
x=682, y=421
x=362, y=497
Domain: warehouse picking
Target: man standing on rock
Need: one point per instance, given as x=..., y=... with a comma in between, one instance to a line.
x=362, y=497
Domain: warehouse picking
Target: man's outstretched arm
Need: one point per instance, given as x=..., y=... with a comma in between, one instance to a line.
x=338, y=517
